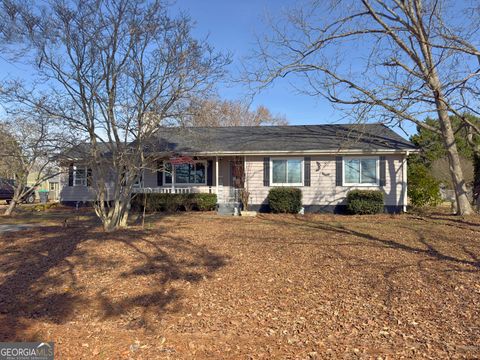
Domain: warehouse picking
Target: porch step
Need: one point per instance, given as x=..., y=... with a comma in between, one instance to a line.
x=226, y=209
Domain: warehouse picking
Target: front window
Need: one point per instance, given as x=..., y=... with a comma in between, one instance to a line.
x=360, y=171
x=186, y=173
x=80, y=176
x=138, y=181
x=287, y=171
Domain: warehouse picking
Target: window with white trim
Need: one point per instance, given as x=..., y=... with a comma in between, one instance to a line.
x=186, y=174
x=79, y=176
x=361, y=171
x=286, y=171
x=139, y=181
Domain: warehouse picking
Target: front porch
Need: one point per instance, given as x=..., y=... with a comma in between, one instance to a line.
x=212, y=175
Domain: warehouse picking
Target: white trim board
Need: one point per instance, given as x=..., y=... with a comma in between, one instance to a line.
x=377, y=165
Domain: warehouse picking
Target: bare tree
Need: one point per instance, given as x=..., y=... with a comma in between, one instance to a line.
x=7, y=168
x=242, y=173
x=388, y=60
x=112, y=71
x=472, y=139
x=29, y=147
x=216, y=112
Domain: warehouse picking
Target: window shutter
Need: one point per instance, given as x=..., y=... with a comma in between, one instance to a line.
x=266, y=171
x=89, y=177
x=210, y=172
x=70, y=175
x=338, y=171
x=383, y=171
x=306, y=171
x=159, y=173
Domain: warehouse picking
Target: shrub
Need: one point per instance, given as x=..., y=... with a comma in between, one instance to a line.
x=365, y=202
x=174, y=202
x=285, y=200
x=206, y=202
x=423, y=189
x=42, y=207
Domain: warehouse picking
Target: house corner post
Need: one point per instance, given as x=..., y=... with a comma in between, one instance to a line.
x=216, y=177
x=405, y=184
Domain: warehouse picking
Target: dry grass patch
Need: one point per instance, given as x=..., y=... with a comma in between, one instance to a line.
x=199, y=285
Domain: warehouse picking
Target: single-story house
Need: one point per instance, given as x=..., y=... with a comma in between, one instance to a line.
x=324, y=161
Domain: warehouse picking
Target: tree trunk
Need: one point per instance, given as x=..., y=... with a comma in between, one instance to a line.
x=15, y=200
x=116, y=217
x=463, y=206
x=10, y=208
x=476, y=177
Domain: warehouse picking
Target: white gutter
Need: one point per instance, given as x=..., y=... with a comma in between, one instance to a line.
x=302, y=152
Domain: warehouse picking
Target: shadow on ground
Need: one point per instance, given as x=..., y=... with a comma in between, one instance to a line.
x=425, y=247
x=39, y=267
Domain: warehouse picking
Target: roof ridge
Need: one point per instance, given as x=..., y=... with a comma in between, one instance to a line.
x=271, y=126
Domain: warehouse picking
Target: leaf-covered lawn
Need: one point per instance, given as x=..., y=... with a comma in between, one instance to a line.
x=203, y=286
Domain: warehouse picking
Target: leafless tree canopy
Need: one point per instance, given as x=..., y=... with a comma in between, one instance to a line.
x=383, y=60
x=378, y=56
x=110, y=71
x=29, y=147
x=216, y=112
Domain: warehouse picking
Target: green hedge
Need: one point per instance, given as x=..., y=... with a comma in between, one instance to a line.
x=285, y=200
x=365, y=202
x=423, y=188
x=174, y=202
x=206, y=202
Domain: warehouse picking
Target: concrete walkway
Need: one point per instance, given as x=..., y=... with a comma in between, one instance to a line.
x=14, y=227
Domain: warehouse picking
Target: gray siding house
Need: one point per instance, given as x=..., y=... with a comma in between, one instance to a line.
x=324, y=161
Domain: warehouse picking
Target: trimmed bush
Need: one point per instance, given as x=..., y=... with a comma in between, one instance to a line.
x=365, y=202
x=174, y=202
x=206, y=202
x=285, y=200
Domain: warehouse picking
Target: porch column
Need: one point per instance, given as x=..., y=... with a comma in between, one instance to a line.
x=216, y=176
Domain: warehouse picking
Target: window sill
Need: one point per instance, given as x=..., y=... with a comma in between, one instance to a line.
x=183, y=184
x=286, y=184
x=361, y=185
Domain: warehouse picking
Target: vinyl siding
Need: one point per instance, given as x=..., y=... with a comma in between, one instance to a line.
x=74, y=193
x=79, y=193
x=322, y=190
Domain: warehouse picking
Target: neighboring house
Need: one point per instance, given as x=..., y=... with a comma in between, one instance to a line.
x=52, y=185
x=324, y=161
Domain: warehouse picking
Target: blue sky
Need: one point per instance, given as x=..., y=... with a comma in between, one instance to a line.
x=231, y=26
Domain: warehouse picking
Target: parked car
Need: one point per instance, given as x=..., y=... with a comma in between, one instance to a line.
x=7, y=187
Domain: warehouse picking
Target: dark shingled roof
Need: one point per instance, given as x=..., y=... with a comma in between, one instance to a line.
x=295, y=138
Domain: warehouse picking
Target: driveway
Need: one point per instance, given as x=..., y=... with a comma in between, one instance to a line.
x=14, y=227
